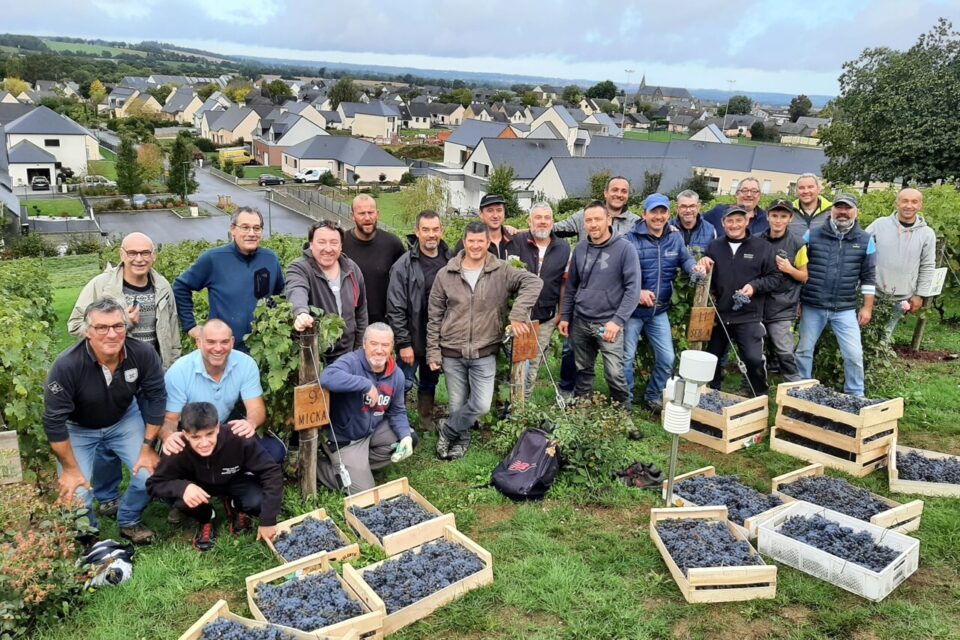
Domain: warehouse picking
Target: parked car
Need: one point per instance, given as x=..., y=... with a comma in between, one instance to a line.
x=98, y=181
x=311, y=175
x=39, y=183
x=138, y=200
x=269, y=178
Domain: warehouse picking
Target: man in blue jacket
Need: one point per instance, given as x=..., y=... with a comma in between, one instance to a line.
x=748, y=199
x=661, y=252
x=603, y=289
x=697, y=232
x=236, y=276
x=368, y=419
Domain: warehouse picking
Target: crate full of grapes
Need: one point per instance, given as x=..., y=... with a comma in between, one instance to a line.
x=840, y=431
x=860, y=557
x=309, y=595
x=218, y=622
x=810, y=484
x=709, y=558
x=726, y=422
x=928, y=473
x=395, y=517
x=411, y=586
x=311, y=533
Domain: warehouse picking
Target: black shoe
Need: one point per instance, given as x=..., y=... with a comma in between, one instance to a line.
x=205, y=537
x=240, y=522
x=634, y=434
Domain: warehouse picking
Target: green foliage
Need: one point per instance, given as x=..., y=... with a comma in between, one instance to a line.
x=206, y=91
x=572, y=94
x=530, y=99
x=238, y=170
x=329, y=180
x=501, y=183
x=161, y=93
x=799, y=107
x=32, y=245
x=129, y=172
x=343, y=91
x=697, y=182
x=739, y=105
x=181, y=180
x=204, y=144
x=878, y=353
x=568, y=205
x=426, y=193
x=598, y=184
x=458, y=96
x=606, y=90
x=278, y=90
x=407, y=179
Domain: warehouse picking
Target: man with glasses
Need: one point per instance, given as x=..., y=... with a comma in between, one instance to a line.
x=748, y=199
x=148, y=299
x=697, y=232
x=236, y=276
x=98, y=395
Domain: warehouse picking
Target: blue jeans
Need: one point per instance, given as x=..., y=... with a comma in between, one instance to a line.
x=657, y=330
x=470, y=384
x=847, y=330
x=125, y=439
x=427, y=381
x=107, y=476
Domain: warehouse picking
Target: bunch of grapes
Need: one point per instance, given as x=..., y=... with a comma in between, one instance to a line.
x=392, y=515
x=858, y=547
x=308, y=537
x=310, y=603
x=827, y=397
x=913, y=466
x=696, y=278
x=703, y=543
x=225, y=629
x=713, y=402
x=412, y=576
x=742, y=502
x=836, y=494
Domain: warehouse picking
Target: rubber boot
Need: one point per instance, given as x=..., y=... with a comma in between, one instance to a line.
x=425, y=409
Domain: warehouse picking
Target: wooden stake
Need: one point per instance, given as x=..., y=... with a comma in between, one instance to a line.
x=928, y=303
x=701, y=298
x=309, y=438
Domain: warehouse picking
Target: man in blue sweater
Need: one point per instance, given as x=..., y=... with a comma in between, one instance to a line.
x=603, y=289
x=236, y=276
x=662, y=252
x=368, y=419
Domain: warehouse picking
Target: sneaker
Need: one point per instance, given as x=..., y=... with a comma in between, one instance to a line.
x=443, y=445
x=205, y=537
x=240, y=522
x=457, y=451
x=174, y=516
x=109, y=508
x=137, y=534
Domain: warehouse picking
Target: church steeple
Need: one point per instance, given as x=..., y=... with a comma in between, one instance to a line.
x=643, y=81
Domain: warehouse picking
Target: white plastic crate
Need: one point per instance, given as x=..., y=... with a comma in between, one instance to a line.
x=842, y=573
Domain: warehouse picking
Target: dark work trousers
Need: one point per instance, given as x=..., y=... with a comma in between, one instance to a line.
x=420, y=373
x=568, y=368
x=244, y=490
x=748, y=338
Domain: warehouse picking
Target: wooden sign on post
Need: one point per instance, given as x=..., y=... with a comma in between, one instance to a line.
x=702, y=317
x=311, y=406
x=525, y=347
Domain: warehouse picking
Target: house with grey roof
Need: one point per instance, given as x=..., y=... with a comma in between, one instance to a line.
x=374, y=119
x=465, y=138
x=415, y=115
x=710, y=133
x=663, y=95
x=815, y=124
x=565, y=124
x=350, y=159
x=181, y=104
x=569, y=177
x=216, y=102
x=285, y=130
x=444, y=114
x=8, y=98
x=41, y=142
x=229, y=127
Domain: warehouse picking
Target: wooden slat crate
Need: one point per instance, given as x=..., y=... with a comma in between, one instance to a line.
x=886, y=411
x=748, y=528
x=221, y=610
x=741, y=425
x=393, y=622
x=11, y=471
x=720, y=584
x=899, y=517
x=399, y=541
x=919, y=487
x=366, y=625
x=855, y=464
x=346, y=551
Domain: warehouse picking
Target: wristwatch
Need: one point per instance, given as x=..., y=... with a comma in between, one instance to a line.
x=150, y=442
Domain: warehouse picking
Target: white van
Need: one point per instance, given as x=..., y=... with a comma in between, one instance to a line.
x=311, y=175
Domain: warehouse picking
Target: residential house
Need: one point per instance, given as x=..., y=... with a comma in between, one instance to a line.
x=797, y=133
x=125, y=102
x=350, y=159
x=41, y=142
x=443, y=114
x=546, y=93
x=481, y=112
x=415, y=115
x=634, y=121
x=565, y=125
x=332, y=120
x=235, y=125
x=8, y=98
x=566, y=177
x=286, y=130
x=679, y=124
x=815, y=124
x=181, y=104
x=461, y=143
x=710, y=133
x=599, y=123
x=216, y=102
x=372, y=120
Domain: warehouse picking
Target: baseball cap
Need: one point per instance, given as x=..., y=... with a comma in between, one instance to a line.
x=782, y=204
x=732, y=210
x=491, y=198
x=847, y=199
x=656, y=200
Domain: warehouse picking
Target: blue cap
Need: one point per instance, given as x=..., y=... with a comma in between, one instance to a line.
x=655, y=200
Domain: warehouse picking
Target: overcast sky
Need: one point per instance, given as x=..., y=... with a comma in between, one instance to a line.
x=791, y=46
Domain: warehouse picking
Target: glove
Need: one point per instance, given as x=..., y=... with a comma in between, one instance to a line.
x=402, y=450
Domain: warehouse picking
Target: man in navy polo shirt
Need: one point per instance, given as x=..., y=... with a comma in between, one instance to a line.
x=748, y=199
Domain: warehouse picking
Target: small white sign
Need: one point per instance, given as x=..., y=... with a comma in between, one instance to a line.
x=939, y=278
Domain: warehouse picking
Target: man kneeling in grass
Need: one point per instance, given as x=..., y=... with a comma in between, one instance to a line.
x=218, y=463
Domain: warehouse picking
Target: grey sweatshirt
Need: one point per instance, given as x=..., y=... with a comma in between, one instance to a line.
x=573, y=226
x=906, y=256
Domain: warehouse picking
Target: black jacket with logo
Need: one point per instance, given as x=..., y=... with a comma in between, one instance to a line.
x=755, y=263
x=232, y=456
x=552, y=272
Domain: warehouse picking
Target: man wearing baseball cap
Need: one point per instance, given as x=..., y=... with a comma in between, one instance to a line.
x=842, y=259
x=492, y=212
x=780, y=309
x=662, y=252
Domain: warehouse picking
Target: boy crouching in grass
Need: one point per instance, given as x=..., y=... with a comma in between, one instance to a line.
x=217, y=463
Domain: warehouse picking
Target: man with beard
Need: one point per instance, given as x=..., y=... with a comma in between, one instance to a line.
x=697, y=232
x=374, y=252
x=492, y=213
x=748, y=199
x=616, y=195
x=841, y=259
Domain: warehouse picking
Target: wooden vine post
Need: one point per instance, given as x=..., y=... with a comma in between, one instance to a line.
x=702, y=316
x=309, y=436
x=524, y=349
x=928, y=303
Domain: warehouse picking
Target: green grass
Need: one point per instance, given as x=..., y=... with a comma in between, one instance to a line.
x=252, y=173
x=389, y=205
x=106, y=168
x=58, y=45
x=656, y=136
x=108, y=154
x=60, y=207
x=415, y=133
x=71, y=273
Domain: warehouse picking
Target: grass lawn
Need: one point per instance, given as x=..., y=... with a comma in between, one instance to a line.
x=82, y=47
x=389, y=205
x=71, y=273
x=60, y=207
x=105, y=168
x=656, y=136
x=415, y=133
x=254, y=172
x=581, y=563
x=108, y=154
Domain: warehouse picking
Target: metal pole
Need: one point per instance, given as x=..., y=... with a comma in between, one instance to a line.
x=674, y=450
x=623, y=107
x=269, y=212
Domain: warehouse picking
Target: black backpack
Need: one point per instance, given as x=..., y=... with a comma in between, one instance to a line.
x=530, y=469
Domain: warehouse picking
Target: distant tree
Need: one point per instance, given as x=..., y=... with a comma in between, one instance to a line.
x=606, y=90
x=572, y=94
x=129, y=176
x=238, y=91
x=150, y=159
x=501, y=96
x=279, y=91
x=162, y=92
x=458, y=84
x=758, y=131
x=181, y=179
x=501, y=183
x=411, y=94
x=598, y=184
x=646, y=108
x=530, y=99
x=98, y=92
x=206, y=91
x=799, y=107
x=15, y=86
x=461, y=96
x=426, y=193
x=343, y=91
x=610, y=109
x=828, y=110
x=697, y=182
x=520, y=89
x=740, y=105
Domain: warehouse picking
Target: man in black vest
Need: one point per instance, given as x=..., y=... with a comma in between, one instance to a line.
x=842, y=258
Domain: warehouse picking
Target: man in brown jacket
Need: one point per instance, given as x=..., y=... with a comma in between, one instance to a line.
x=468, y=304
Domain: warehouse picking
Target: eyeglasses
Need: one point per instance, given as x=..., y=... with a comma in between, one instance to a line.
x=246, y=228
x=749, y=192
x=104, y=329
x=139, y=254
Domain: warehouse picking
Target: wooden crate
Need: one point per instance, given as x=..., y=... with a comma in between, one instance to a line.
x=863, y=464
x=749, y=527
x=346, y=551
x=919, y=487
x=738, y=426
x=720, y=584
x=222, y=610
x=902, y=518
x=880, y=413
x=401, y=618
x=11, y=471
x=367, y=625
x=398, y=541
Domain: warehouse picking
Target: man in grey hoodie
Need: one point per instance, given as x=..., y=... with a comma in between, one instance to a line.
x=906, y=255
